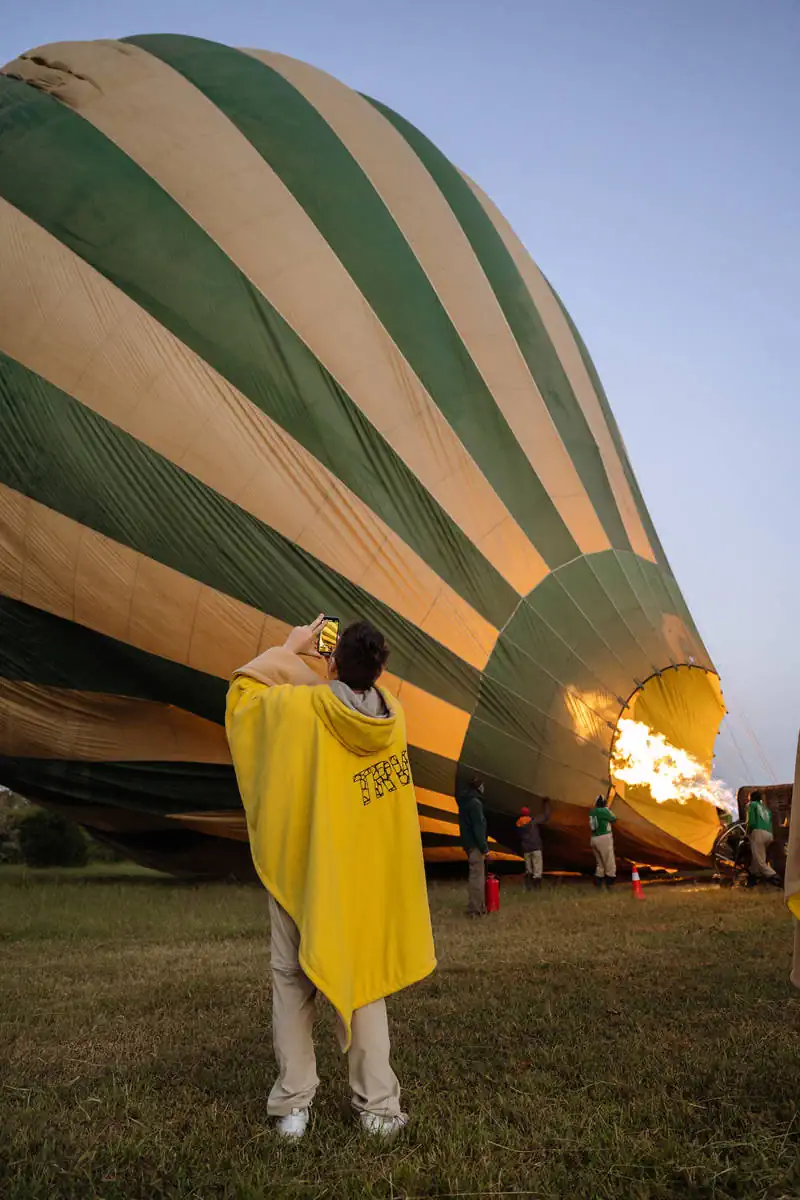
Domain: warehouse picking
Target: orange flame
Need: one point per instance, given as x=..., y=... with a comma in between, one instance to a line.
x=641, y=757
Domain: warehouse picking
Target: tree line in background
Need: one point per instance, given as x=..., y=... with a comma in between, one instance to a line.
x=38, y=837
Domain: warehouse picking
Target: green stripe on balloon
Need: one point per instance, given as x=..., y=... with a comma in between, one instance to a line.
x=432, y=841
x=602, y=612
x=650, y=604
x=440, y=814
x=159, y=788
x=322, y=175
x=526, y=732
x=560, y=613
x=560, y=770
x=74, y=182
x=664, y=579
x=600, y=589
x=616, y=436
x=525, y=323
x=41, y=648
x=432, y=771
x=67, y=457
x=615, y=581
x=533, y=661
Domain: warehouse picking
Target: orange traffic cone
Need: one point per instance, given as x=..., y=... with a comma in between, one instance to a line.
x=636, y=884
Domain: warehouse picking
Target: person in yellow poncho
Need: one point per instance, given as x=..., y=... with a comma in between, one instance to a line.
x=324, y=775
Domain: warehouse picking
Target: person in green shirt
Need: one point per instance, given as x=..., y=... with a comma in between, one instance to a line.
x=601, y=818
x=759, y=832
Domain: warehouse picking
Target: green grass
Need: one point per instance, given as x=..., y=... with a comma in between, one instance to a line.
x=575, y=1045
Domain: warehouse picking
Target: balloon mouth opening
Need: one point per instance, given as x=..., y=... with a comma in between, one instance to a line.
x=662, y=754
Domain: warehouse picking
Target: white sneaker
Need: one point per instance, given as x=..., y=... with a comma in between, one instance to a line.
x=382, y=1127
x=294, y=1125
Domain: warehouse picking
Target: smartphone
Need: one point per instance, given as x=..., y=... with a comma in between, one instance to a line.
x=328, y=636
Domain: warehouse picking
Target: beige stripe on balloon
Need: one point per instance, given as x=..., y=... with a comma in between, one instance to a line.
x=431, y=723
x=53, y=563
x=447, y=258
x=566, y=347
x=432, y=825
x=38, y=721
x=437, y=800
x=444, y=804
x=196, y=154
x=65, y=321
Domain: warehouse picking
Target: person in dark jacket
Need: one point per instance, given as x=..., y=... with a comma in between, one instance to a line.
x=530, y=838
x=472, y=825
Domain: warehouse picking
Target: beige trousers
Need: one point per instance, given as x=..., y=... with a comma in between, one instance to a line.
x=372, y=1081
x=760, y=842
x=534, y=863
x=603, y=847
x=477, y=883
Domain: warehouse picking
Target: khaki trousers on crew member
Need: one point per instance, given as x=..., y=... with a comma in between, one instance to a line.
x=534, y=863
x=477, y=882
x=760, y=842
x=372, y=1081
x=603, y=847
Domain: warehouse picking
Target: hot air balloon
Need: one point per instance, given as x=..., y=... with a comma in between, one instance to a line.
x=264, y=351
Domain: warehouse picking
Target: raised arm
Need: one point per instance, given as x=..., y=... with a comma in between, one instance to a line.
x=283, y=664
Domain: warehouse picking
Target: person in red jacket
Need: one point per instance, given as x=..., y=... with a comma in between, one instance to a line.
x=530, y=838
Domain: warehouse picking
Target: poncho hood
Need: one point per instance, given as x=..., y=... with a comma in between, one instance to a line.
x=353, y=730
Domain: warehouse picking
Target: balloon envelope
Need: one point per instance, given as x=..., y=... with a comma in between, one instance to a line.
x=264, y=351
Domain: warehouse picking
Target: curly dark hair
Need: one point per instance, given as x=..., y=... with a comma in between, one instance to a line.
x=360, y=655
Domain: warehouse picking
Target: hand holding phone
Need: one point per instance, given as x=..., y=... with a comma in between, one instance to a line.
x=304, y=639
x=317, y=639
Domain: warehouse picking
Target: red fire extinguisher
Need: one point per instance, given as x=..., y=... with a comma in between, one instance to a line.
x=492, y=893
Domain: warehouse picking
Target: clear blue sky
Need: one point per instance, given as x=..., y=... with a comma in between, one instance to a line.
x=646, y=151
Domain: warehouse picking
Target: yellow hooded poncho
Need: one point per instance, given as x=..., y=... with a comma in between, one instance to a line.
x=334, y=830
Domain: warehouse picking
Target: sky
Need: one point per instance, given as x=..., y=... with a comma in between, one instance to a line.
x=646, y=152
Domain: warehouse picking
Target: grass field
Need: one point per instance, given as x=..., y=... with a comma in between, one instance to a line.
x=575, y=1045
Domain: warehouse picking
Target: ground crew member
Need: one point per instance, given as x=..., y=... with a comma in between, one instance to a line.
x=601, y=818
x=759, y=831
x=530, y=839
x=472, y=825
